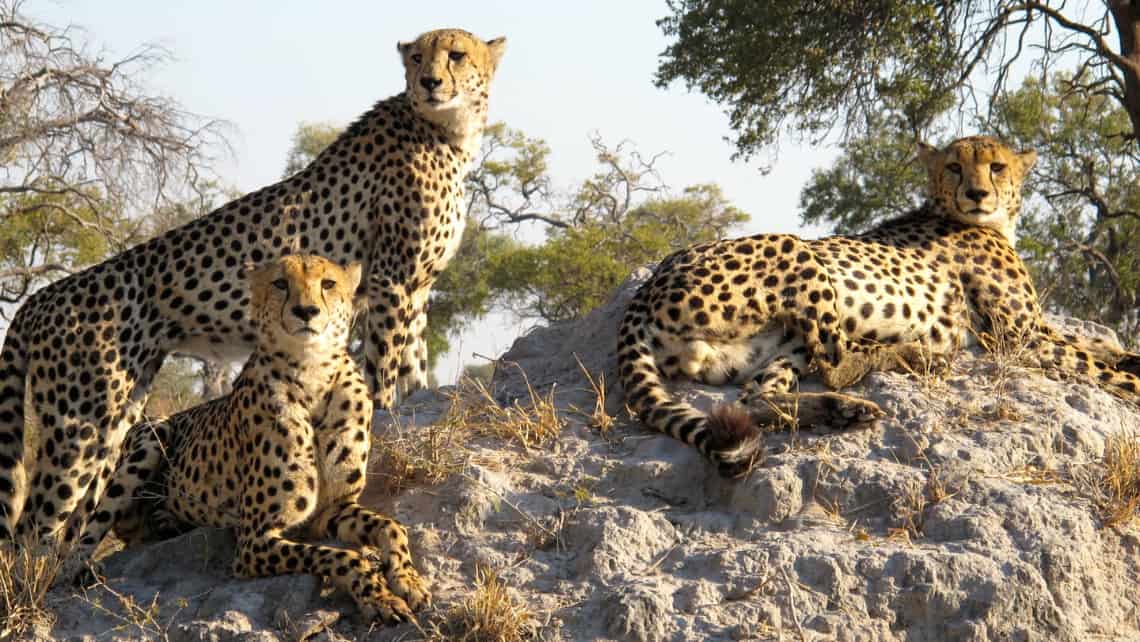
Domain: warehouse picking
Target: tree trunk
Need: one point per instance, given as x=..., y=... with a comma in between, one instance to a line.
x=1126, y=15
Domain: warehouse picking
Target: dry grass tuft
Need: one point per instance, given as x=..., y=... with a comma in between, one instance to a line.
x=929, y=369
x=1012, y=356
x=489, y=614
x=911, y=504
x=909, y=508
x=407, y=456
x=131, y=616
x=412, y=456
x=474, y=411
x=1030, y=474
x=1116, y=485
x=598, y=418
x=26, y=575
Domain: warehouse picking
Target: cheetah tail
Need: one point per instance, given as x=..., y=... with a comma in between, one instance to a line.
x=728, y=437
x=13, y=476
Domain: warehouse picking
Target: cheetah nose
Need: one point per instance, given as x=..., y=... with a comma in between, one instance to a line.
x=430, y=83
x=305, y=312
x=976, y=195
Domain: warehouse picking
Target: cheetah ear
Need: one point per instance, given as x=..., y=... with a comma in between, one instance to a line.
x=927, y=154
x=245, y=272
x=404, y=48
x=1028, y=159
x=496, y=48
x=353, y=272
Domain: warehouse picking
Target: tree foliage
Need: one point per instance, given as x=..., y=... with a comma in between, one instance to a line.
x=621, y=217
x=84, y=149
x=578, y=267
x=807, y=65
x=1081, y=235
x=309, y=140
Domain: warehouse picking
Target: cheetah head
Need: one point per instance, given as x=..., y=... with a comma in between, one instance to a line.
x=448, y=72
x=977, y=181
x=303, y=302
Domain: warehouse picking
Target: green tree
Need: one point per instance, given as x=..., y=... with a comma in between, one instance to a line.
x=806, y=65
x=44, y=235
x=1081, y=235
x=578, y=267
x=309, y=140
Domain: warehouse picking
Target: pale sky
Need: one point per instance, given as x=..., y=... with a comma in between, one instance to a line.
x=570, y=68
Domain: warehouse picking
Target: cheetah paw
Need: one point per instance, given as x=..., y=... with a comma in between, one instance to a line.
x=385, y=606
x=408, y=584
x=844, y=411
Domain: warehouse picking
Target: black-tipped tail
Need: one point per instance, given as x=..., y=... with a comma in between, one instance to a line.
x=734, y=440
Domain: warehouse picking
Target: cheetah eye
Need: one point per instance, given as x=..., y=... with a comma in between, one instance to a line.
x=328, y=284
x=281, y=284
x=417, y=58
x=954, y=168
x=997, y=167
x=456, y=56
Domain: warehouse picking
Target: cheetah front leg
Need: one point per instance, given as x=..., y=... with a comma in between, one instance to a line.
x=271, y=507
x=344, y=435
x=413, y=373
x=139, y=467
x=1055, y=352
x=266, y=552
x=354, y=524
x=1096, y=348
x=386, y=332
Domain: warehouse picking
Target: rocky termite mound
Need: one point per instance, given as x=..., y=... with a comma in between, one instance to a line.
x=975, y=511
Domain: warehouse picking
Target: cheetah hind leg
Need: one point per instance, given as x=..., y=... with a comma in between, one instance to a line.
x=737, y=423
x=768, y=400
x=833, y=410
x=857, y=361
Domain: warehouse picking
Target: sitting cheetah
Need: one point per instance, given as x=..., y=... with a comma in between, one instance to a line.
x=388, y=192
x=284, y=453
x=764, y=309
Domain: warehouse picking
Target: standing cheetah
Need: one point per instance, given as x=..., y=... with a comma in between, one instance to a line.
x=388, y=192
x=284, y=453
x=764, y=309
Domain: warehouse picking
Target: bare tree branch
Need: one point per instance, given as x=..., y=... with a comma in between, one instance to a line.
x=84, y=148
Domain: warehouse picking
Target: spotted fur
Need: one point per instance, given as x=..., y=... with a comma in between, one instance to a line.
x=282, y=455
x=388, y=193
x=766, y=309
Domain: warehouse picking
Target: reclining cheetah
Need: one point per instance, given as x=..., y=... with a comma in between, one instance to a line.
x=764, y=309
x=388, y=192
x=284, y=453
